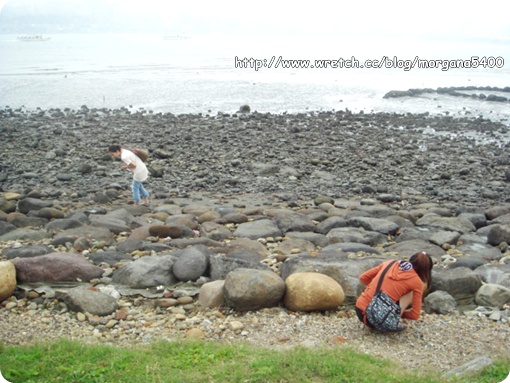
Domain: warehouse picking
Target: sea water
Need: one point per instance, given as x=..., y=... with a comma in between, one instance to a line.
x=203, y=74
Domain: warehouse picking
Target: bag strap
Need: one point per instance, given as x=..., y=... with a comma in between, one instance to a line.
x=381, y=278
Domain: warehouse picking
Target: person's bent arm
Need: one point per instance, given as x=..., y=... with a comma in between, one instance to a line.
x=415, y=311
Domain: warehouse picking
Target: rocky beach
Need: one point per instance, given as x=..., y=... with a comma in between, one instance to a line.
x=258, y=229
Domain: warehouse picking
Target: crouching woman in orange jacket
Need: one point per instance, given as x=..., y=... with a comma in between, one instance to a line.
x=404, y=283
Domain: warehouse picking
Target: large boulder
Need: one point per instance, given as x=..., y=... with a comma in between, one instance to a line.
x=28, y=204
x=87, y=231
x=27, y=251
x=440, y=302
x=410, y=247
x=498, y=274
x=215, y=231
x=166, y=231
x=147, y=272
x=88, y=300
x=24, y=234
x=211, y=294
x=312, y=292
x=291, y=221
x=7, y=279
x=63, y=224
x=56, y=267
x=221, y=266
x=258, y=229
x=355, y=234
x=295, y=245
x=382, y=226
x=492, y=295
x=498, y=234
x=6, y=227
x=192, y=263
x=112, y=223
x=458, y=224
x=248, y=289
x=49, y=213
x=461, y=283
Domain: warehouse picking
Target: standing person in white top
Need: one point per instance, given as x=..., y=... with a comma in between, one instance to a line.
x=140, y=173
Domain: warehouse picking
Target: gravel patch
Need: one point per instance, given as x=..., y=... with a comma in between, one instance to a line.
x=434, y=342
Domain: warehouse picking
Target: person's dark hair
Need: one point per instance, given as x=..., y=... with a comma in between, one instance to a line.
x=422, y=264
x=114, y=148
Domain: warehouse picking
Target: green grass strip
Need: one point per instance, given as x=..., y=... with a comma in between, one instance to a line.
x=204, y=361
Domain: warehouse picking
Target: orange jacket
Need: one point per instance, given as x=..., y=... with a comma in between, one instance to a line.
x=396, y=284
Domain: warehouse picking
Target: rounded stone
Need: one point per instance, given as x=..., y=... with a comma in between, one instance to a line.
x=309, y=291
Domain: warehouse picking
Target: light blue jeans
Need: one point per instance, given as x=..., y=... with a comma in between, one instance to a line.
x=139, y=191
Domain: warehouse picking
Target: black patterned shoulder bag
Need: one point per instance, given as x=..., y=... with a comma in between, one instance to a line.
x=382, y=313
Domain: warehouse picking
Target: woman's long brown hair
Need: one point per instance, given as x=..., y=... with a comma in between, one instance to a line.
x=422, y=264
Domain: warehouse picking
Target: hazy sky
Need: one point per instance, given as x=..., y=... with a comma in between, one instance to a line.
x=398, y=17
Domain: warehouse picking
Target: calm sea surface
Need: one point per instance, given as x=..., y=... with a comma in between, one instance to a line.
x=198, y=74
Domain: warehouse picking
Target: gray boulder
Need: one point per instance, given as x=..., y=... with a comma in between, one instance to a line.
x=248, y=289
x=247, y=244
x=147, y=272
x=440, y=302
x=295, y=245
x=492, y=295
x=461, y=283
x=221, y=266
x=406, y=249
x=496, y=274
x=6, y=227
x=479, y=220
x=459, y=224
x=109, y=257
x=496, y=211
x=24, y=235
x=28, y=204
x=379, y=225
x=471, y=367
x=113, y=224
x=470, y=261
x=498, y=234
x=27, y=251
x=192, y=263
x=315, y=238
x=442, y=237
x=92, y=232
x=258, y=229
x=215, y=231
x=473, y=238
x=58, y=225
x=245, y=255
x=488, y=253
x=85, y=300
x=358, y=235
x=129, y=245
x=414, y=233
x=22, y=220
x=351, y=247
x=330, y=223
x=291, y=221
